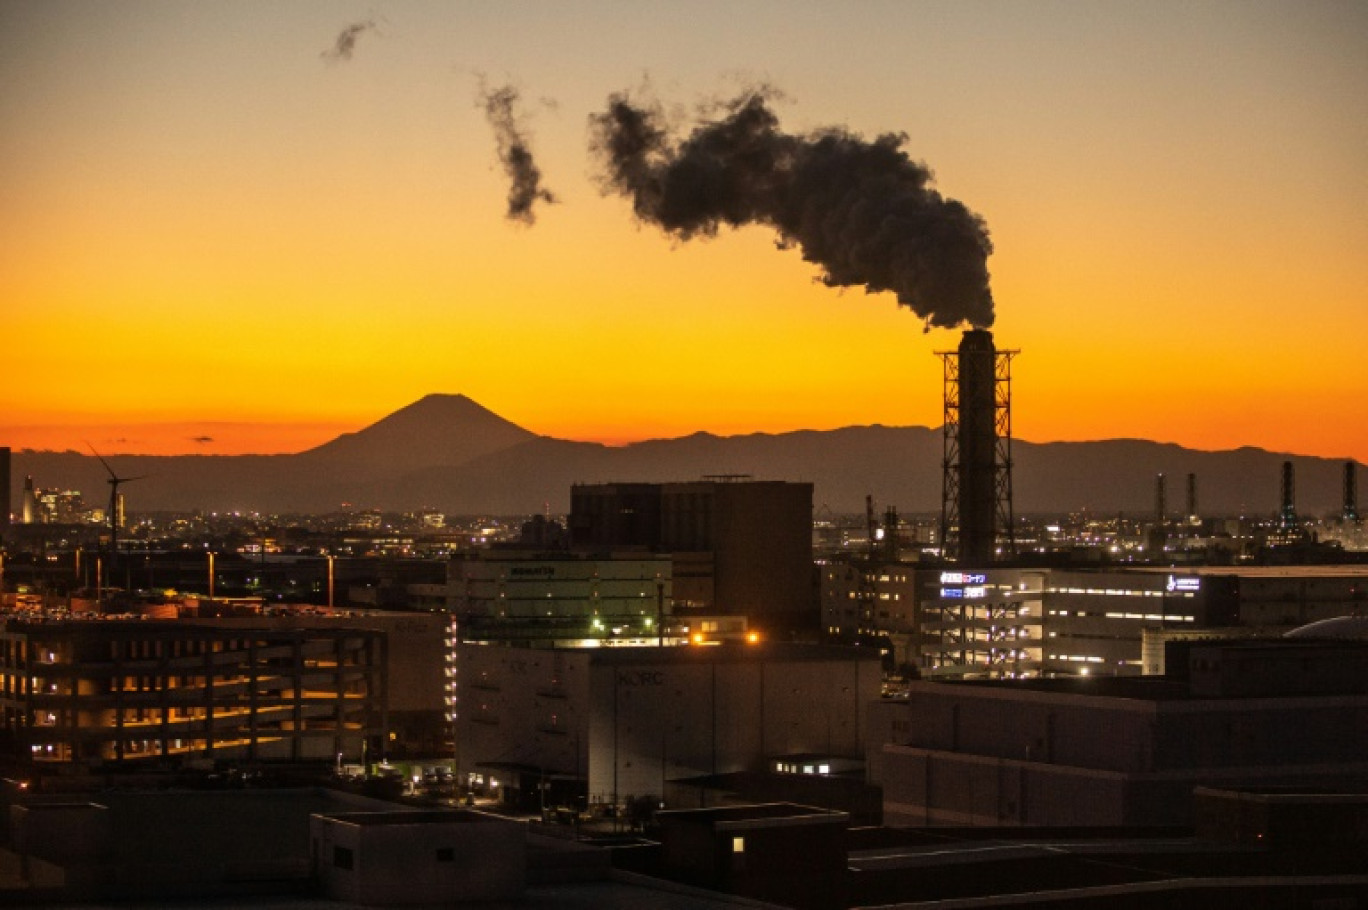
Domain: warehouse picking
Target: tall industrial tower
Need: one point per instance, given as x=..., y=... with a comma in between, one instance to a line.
x=5, y=503
x=1350, y=511
x=1287, y=512
x=976, y=484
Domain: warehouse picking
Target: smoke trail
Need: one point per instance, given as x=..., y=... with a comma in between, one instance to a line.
x=345, y=44
x=524, y=175
x=861, y=210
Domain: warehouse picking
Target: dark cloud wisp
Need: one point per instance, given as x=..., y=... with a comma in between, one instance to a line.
x=515, y=154
x=345, y=45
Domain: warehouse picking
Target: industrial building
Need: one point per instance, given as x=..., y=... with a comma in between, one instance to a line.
x=1095, y=622
x=110, y=690
x=1119, y=751
x=564, y=598
x=1000, y=622
x=738, y=546
x=405, y=857
x=613, y=724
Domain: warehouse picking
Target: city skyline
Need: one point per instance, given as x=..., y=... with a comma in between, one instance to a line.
x=245, y=227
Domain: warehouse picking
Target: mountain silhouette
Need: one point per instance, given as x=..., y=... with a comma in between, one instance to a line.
x=436, y=430
x=449, y=453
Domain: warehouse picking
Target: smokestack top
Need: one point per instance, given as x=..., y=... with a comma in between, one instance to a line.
x=977, y=341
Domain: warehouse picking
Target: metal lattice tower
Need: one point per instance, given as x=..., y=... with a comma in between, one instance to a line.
x=976, y=479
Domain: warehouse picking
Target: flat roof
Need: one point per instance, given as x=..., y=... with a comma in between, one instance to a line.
x=1146, y=688
x=1324, y=571
x=731, y=652
x=411, y=817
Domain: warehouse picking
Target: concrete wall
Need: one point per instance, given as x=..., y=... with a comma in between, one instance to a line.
x=522, y=706
x=628, y=721
x=419, y=857
x=978, y=754
x=655, y=721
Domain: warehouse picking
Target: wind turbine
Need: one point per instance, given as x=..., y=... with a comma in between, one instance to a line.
x=113, y=481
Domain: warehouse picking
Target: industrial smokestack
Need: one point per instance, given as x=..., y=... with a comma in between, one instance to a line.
x=1287, y=514
x=29, y=508
x=977, y=447
x=976, y=483
x=1350, y=492
x=5, y=503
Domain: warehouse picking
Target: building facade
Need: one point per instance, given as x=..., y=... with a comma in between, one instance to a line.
x=738, y=546
x=503, y=596
x=1122, y=751
x=621, y=723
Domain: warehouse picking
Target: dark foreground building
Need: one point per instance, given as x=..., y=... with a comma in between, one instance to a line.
x=1119, y=750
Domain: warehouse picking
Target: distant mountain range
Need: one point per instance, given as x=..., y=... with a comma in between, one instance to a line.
x=449, y=453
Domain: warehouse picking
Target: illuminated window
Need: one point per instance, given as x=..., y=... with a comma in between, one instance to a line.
x=738, y=845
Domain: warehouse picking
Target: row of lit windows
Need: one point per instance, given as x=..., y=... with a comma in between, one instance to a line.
x=1147, y=617
x=1115, y=592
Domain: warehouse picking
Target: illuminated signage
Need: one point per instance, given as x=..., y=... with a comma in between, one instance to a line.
x=1183, y=585
x=963, y=578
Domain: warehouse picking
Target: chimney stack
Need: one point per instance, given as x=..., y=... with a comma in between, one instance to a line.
x=976, y=486
x=1287, y=514
x=1350, y=492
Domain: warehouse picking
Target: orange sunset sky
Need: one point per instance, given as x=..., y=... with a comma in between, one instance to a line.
x=215, y=239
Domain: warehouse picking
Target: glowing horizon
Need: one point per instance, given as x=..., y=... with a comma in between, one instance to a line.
x=212, y=230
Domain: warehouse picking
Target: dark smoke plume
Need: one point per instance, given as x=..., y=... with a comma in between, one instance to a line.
x=345, y=45
x=524, y=175
x=863, y=211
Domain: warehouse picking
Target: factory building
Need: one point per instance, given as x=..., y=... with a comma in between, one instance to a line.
x=1000, y=622
x=610, y=725
x=108, y=690
x=738, y=546
x=1100, y=752
x=563, y=598
x=1095, y=622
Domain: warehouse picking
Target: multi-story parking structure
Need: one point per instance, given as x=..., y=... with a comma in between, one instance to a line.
x=984, y=623
x=95, y=691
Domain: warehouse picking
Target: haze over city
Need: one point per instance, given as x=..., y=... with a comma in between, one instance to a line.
x=249, y=227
